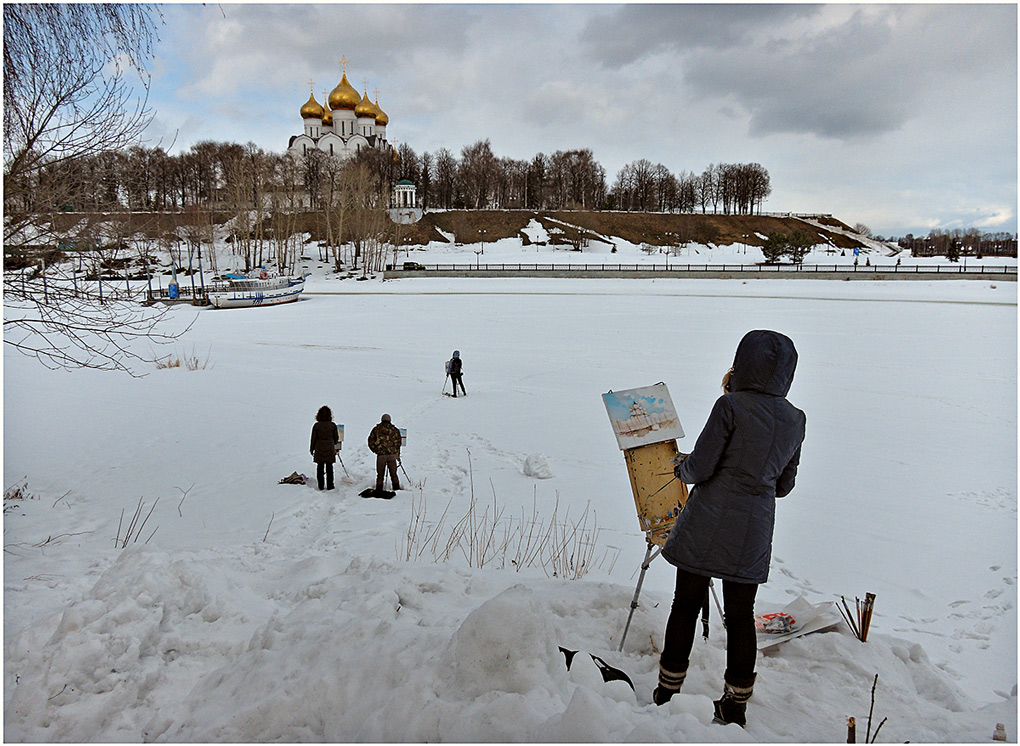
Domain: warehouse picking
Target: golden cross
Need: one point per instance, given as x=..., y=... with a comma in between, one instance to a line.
x=365, y=83
x=343, y=63
x=376, y=92
x=311, y=84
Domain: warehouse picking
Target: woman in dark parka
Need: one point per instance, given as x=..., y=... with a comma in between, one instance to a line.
x=325, y=436
x=746, y=456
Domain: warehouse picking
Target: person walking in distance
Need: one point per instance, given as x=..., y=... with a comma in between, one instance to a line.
x=745, y=457
x=457, y=373
x=384, y=442
x=325, y=437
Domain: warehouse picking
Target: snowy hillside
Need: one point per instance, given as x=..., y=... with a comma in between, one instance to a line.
x=247, y=610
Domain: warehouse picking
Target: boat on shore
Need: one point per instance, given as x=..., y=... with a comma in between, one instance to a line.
x=244, y=292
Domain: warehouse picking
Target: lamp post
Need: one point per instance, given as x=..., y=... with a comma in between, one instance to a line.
x=481, y=233
x=477, y=252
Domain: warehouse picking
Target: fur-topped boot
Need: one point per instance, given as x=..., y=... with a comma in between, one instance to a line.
x=669, y=684
x=732, y=708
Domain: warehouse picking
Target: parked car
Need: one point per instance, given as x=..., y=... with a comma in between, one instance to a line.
x=412, y=265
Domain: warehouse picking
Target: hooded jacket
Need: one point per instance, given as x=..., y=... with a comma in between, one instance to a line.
x=746, y=456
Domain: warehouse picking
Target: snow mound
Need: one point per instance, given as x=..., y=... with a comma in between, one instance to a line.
x=261, y=646
x=537, y=465
x=506, y=645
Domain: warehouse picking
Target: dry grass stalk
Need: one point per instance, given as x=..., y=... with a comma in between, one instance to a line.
x=134, y=530
x=487, y=536
x=190, y=362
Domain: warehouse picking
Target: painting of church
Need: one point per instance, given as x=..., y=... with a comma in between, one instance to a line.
x=642, y=416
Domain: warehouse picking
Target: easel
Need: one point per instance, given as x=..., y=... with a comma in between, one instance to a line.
x=659, y=498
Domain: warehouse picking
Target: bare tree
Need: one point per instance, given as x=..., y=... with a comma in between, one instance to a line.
x=66, y=95
x=68, y=98
x=446, y=178
x=427, y=175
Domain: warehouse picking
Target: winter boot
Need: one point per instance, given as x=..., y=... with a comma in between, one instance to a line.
x=669, y=684
x=732, y=708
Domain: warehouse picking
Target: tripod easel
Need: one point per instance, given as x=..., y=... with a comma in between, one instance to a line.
x=651, y=553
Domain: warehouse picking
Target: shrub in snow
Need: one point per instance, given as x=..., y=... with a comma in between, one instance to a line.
x=537, y=466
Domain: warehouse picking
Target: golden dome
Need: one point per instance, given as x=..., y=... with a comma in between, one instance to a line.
x=343, y=96
x=365, y=108
x=327, y=116
x=380, y=116
x=311, y=109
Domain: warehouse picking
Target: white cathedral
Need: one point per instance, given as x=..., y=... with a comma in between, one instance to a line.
x=345, y=124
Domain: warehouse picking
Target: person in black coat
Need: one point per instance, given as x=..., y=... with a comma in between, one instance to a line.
x=457, y=372
x=746, y=456
x=325, y=437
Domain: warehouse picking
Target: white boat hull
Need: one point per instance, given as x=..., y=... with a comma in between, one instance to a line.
x=249, y=293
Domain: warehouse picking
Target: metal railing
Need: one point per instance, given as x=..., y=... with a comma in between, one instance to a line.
x=910, y=269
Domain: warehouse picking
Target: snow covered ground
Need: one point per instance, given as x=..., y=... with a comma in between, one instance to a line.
x=247, y=610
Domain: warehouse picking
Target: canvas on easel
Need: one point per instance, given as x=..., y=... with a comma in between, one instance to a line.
x=646, y=426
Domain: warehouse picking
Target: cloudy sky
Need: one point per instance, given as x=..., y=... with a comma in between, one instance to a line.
x=903, y=117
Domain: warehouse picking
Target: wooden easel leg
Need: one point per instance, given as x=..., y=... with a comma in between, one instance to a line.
x=650, y=554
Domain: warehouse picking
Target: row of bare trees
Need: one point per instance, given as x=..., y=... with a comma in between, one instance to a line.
x=728, y=188
x=960, y=242
x=573, y=179
x=217, y=175
x=479, y=179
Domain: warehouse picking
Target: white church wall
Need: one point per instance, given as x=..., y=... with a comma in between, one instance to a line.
x=301, y=145
x=331, y=144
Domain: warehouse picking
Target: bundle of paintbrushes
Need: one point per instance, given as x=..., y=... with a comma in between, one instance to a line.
x=863, y=620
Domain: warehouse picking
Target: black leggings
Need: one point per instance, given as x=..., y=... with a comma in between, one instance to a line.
x=327, y=467
x=738, y=605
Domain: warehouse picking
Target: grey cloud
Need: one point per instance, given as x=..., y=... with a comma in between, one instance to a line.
x=257, y=44
x=632, y=32
x=865, y=78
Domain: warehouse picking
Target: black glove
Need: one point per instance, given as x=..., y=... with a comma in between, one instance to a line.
x=678, y=461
